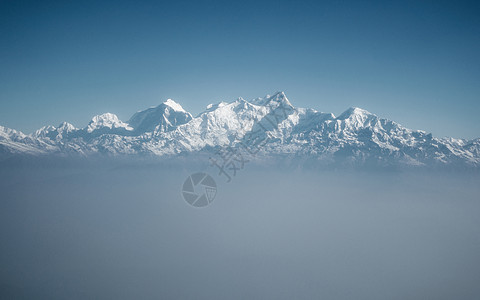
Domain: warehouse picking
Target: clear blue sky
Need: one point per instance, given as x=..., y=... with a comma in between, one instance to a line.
x=416, y=62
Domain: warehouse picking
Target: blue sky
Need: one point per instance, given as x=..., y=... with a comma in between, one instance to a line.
x=415, y=62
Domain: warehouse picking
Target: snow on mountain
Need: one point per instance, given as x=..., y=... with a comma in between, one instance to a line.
x=16, y=142
x=162, y=118
x=356, y=137
x=7, y=133
x=55, y=133
x=44, y=132
x=276, y=98
x=174, y=105
x=107, y=121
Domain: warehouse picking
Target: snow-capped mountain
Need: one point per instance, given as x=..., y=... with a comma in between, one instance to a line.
x=271, y=126
x=107, y=123
x=167, y=116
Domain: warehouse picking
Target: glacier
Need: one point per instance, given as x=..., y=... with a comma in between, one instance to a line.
x=354, y=138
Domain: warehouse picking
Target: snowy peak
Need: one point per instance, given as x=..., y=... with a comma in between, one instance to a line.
x=212, y=106
x=164, y=117
x=66, y=127
x=174, y=105
x=354, y=112
x=355, y=118
x=106, y=121
x=8, y=133
x=44, y=131
x=55, y=133
x=279, y=98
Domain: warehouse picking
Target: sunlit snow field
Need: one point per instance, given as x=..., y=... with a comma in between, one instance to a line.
x=120, y=231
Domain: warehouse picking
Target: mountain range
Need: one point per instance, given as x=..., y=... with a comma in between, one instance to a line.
x=267, y=127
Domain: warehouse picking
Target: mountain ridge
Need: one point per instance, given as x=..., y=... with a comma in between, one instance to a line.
x=355, y=137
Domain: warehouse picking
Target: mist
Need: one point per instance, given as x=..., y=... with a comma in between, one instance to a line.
x=123, y=231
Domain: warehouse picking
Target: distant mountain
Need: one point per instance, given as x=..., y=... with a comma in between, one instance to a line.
x=165, y=117
x=265, y=127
